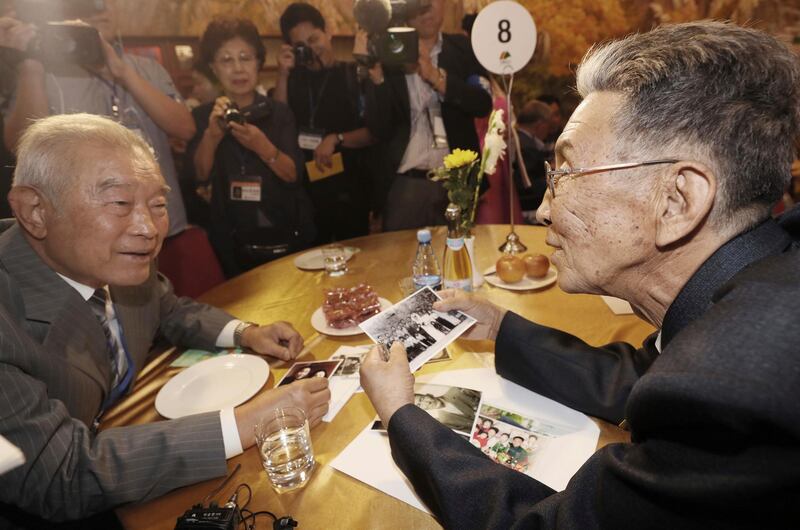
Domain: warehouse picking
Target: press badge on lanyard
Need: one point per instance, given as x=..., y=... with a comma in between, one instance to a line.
x=310, y=138
x=437, y=128
x=246, y=189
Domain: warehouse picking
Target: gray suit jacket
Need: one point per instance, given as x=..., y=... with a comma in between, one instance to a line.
x=55, y=373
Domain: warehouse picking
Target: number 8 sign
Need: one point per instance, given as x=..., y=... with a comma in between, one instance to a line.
x=504, y=37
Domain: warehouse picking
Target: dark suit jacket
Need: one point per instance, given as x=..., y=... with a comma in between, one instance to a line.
x=54, y=375
x=714, y=419
x=388, y=112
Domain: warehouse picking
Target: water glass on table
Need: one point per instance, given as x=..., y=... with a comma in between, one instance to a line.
x=335, y=260
x=284, y=443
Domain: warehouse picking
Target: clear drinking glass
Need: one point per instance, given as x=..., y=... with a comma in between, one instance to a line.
x=335, y=260
x=284, y=443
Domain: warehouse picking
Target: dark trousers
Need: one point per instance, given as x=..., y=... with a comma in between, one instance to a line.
x=340, y=211
x=414, y=202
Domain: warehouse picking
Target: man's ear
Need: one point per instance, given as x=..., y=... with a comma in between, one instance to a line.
x=686, y=198
x=30, y=209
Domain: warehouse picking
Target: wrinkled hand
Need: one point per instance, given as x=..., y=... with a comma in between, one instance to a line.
x=252, y=138
x=324, y=152
x=279, y=340
x=285, y=60
x=312, y=395
x=488, y=315
x=15, y=34
x=388, y=384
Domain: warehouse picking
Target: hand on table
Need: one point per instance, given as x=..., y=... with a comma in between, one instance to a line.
x=279, y=340
x=488, y=315
x=388, y=384
x=312, y=395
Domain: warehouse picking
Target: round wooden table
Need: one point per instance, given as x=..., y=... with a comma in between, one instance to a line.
x=280, y=291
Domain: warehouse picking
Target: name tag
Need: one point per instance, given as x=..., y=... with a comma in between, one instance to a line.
x=437, y=128
x=310, y=138
x=246, y=189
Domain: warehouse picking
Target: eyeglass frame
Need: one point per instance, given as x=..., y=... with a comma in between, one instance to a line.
x=232, y=60
x=551, y=174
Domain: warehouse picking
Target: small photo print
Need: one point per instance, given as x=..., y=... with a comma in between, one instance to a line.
x=453, y=406
x=351, y=362
x=512, y=439
x=421, y=329
x=307, y=370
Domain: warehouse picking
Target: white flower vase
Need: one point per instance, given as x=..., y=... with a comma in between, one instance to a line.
x=477, y=277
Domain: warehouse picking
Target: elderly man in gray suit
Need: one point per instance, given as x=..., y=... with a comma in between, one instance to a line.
x=80, y=306
x=665, y=180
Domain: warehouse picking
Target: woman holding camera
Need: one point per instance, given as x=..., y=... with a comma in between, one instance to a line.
x=246, y=148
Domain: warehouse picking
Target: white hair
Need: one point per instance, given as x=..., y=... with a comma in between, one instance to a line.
x=728, y=94
x=52, y=151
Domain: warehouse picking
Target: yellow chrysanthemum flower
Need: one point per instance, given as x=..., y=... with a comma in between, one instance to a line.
x=460, y=158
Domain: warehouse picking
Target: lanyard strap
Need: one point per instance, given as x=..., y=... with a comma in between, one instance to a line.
x=115, y=101
x=313, y=106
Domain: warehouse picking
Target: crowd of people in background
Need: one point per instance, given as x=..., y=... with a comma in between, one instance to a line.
x=336, y=149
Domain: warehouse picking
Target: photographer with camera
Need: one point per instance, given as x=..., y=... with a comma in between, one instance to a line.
x=325, y=97
x=246, y=146
x=134, y=91
x=421, y=110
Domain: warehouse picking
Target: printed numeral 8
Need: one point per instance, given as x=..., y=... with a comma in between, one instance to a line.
x=505, y=31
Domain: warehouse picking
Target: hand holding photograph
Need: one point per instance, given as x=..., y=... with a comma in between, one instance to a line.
x=422, y=330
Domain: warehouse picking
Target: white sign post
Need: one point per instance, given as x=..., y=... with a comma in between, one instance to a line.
x=504, y=39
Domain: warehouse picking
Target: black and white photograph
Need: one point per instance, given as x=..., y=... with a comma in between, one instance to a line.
x=453, y=406
x=421, y=329
x=307, y=370
x=351, y=362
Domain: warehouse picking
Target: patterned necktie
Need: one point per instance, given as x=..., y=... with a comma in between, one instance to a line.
x=104, y=311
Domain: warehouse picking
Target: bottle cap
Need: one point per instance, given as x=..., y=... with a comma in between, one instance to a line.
x=424, y=235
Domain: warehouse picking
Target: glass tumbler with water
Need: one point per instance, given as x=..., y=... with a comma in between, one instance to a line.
x=335, y=260
x=284, y=443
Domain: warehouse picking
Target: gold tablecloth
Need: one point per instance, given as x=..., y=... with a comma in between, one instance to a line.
x=280, y=291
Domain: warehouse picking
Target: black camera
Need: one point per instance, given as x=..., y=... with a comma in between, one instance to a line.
x=58, y=41
x=63, y=42
x=390, y=40
x=303, y=56
x=232, y=114
x=249, y=114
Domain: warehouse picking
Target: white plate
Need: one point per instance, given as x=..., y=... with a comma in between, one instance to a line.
x=525, y=284
x=213, y=384
x=320, y=324
x=313, y=261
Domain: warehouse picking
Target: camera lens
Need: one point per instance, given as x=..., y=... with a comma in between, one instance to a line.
x=396, y=45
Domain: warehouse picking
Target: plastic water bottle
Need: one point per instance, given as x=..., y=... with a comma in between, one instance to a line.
x=426, y=271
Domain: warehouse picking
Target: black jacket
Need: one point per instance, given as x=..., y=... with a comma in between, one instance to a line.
x=388, y=112
x=714, y=418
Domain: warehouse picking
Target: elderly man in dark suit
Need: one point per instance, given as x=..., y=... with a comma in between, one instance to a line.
x=666, y=175
x=80, y=306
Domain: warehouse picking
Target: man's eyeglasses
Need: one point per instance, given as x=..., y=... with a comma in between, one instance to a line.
x=227, y=61
x=555, y=174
